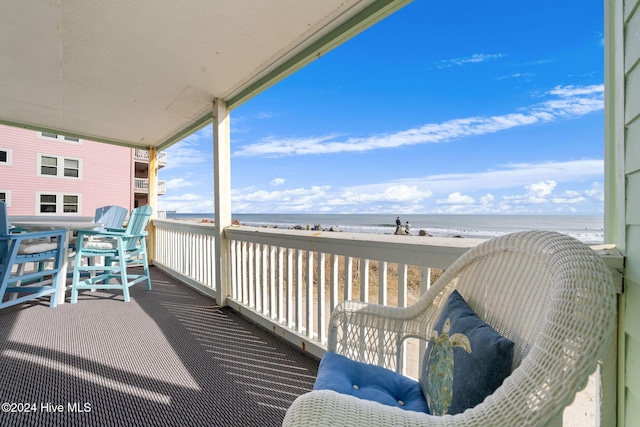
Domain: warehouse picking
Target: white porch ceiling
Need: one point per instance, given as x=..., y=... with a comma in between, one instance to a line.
x=143, y=73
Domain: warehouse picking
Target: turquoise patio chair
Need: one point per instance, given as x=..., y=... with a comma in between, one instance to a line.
x=120, y=250
x=18, y=249
x=112, y=217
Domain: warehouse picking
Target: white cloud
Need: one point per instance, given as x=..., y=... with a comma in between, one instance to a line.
x=187, y=203
x=253, y=199
x=457, y=198
x=176, y=183
x=473, y=59
x=522, y=76
x=596, y=192
x=513, y=188
x=487, y=200
x=517, y=175
x=262, y=115
x=187, y=197
x=571, y=90
x=390, y=193
x=541, y=189
x=568, y=102
x=187, y=152
x=568, y=200
x=277, y=181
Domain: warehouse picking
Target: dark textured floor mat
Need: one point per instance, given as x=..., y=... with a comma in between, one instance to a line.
x=170, y=357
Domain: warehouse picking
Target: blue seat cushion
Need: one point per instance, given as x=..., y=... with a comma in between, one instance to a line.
x=479, y=373
x=370, y=382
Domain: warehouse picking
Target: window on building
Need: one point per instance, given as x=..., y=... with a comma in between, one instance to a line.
x=71, y=168
x=50, y=166
x=56, y=203
x=47, y=203
x=3, y=196
x=62, y=138
x=5, y=156
x=70, y=204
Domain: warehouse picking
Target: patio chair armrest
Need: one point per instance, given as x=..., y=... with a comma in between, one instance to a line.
x=109, y=233
x=116, y=230
x=371, y=333
x=20, y=237
x=330, y=408
x=89, y=233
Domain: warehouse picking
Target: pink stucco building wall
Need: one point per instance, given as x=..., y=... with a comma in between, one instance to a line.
x=104, y=173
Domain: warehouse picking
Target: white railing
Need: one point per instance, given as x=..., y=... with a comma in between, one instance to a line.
x=186, y=250
x=139, y=154
x=271, y=282
x=142, y=185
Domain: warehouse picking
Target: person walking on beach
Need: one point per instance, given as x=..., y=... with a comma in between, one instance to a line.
x=398, y=222
x=407, y=227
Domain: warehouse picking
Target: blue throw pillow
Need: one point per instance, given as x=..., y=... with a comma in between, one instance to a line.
x=370, y=382
x=476, y=374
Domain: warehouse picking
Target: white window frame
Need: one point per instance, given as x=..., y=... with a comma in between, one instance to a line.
x=59, y=204
x=50, y=136
x=9, y=157
x=59, y=166
x=7, y=195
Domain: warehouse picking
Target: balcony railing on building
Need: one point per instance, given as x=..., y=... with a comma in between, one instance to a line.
x=139, y=154
x=141, y=185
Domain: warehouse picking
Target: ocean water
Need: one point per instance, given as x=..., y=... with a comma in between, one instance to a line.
x=586, y=228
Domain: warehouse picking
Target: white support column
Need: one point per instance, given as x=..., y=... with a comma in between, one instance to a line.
x=153, y=202
x=222, y=195
x=611, y=390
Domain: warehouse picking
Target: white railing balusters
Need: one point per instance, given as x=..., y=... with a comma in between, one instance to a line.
x=280, y=291
x=282, y=288
x=245, y=274
x=382, y=282
x=309, y=295
x=321, y=332
x=262, y=292
x=290, y=319
x=272, y=283
x=299, y=299
x=364, y=279
x=334, y=282
x=233, y=269
x=403, y=291
x=402, y=285
x=253, y=273
x=348, y=278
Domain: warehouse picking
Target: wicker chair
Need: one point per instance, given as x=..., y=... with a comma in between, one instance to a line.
x=547, y=292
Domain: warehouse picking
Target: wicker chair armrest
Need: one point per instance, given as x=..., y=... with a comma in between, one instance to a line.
x=373, y=333
x=330, y=408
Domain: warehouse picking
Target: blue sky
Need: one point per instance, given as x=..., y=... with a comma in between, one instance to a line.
x=492, y=107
